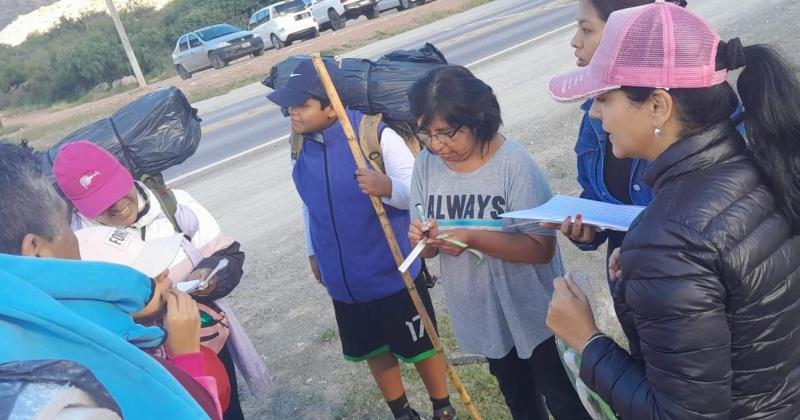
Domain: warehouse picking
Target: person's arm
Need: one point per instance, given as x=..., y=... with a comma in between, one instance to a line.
x=182, y=323
x=678, y=301
x=588, y=134
x=312, y=258
x=417, y=194
x=510, y=246
x=399, y=163
x=307, y=232
x=393, y=187
x=223, y=283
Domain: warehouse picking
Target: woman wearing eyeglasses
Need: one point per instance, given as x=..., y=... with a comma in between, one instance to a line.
x=469, y=176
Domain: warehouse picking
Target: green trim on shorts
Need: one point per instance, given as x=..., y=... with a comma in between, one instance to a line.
x=371, y=355
x=418, y=358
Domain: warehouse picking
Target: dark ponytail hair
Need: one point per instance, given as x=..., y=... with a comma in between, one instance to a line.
x=606, y=7
x=455, y=95
x=770, y=95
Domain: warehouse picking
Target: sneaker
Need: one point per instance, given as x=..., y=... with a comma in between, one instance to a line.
x=445, y=413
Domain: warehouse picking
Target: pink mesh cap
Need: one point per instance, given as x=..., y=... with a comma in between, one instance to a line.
x=660, y=45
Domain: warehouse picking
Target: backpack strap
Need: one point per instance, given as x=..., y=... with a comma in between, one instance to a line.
x=369, y=141
x=296, y=144
x=414, y=144
x=165, y=196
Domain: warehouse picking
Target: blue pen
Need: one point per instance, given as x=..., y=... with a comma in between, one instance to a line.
x=424, y=220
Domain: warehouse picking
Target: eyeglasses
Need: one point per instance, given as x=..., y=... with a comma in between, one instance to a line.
x=446, y=137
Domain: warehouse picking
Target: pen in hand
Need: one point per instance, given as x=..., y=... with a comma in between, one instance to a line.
x=422, y=218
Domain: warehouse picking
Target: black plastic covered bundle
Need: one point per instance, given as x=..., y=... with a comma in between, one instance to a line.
x=374, y=87
x=15, y=377
x=149, y=135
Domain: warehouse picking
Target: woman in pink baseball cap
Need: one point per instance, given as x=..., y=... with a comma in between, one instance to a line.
x=708, y=281
x=103, y=192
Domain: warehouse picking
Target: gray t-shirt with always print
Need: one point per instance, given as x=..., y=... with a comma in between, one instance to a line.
x=496, y=305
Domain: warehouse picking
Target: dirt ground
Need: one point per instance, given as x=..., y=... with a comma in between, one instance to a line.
x=356, y=33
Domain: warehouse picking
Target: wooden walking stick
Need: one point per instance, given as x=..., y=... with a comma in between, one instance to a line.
x=336, y=102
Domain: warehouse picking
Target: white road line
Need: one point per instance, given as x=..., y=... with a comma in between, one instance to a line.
x=520, y=45
x=227, y=159
x=253, y=149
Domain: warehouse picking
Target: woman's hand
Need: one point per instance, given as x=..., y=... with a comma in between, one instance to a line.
x=449, y=248
x=570, y=315
x=615, y=265
x=202, y=275
x=416, y=231
x=577, y=231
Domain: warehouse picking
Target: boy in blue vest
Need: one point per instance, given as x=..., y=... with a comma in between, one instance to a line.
x=376, y=317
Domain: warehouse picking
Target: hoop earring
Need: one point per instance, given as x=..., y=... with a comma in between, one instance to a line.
x=657, y=132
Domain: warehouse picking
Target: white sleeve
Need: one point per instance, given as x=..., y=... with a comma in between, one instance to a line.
x=306, y=229
x=399, y=163
x=307, y=232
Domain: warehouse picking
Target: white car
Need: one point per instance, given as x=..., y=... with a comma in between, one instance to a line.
x=384, y=5
x=282, y=23
x=328, y=13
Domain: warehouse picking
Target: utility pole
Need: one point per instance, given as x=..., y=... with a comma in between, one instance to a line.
x=123, y=36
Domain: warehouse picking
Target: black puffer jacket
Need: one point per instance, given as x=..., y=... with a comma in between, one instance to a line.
x=711, y=295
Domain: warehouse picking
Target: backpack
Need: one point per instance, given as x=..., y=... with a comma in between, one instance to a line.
x=165, y=196
x=214, y=327
x=368, y=139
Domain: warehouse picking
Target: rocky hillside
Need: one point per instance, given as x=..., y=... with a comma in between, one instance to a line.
x=28, y=16
x=13, y=8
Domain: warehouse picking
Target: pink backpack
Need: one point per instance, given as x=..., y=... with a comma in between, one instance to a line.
x=214, y=327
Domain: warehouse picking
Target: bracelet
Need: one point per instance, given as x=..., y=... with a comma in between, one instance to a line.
x=595, y=336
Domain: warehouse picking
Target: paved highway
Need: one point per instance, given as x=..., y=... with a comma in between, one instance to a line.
x=468, y=39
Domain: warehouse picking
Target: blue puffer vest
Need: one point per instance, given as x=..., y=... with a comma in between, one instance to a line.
x=353, y=256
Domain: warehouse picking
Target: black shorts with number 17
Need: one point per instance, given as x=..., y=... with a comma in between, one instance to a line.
x=390, y=324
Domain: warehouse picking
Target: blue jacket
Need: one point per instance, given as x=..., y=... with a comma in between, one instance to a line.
x=591, y=152
x=57, y=309
x=351, y=249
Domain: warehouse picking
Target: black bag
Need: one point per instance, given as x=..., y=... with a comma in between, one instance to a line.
x=374, y=87
x=17, y=377
x=149, y=135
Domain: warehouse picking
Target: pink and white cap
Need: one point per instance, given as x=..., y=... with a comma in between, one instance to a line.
x=126, y=247
x=659, y=45
x=90, y=177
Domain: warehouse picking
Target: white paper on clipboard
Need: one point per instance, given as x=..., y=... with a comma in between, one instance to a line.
x=605, y=216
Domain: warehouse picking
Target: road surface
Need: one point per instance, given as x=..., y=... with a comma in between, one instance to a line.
x=253, y=121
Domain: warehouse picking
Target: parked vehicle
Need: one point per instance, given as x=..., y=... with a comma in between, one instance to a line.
x=284, y=22
x=327, y=13
x=355, y=8
x=213, y=46
x=401, y=5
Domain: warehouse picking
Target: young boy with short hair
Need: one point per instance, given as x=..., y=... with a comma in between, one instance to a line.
x=377, y=319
